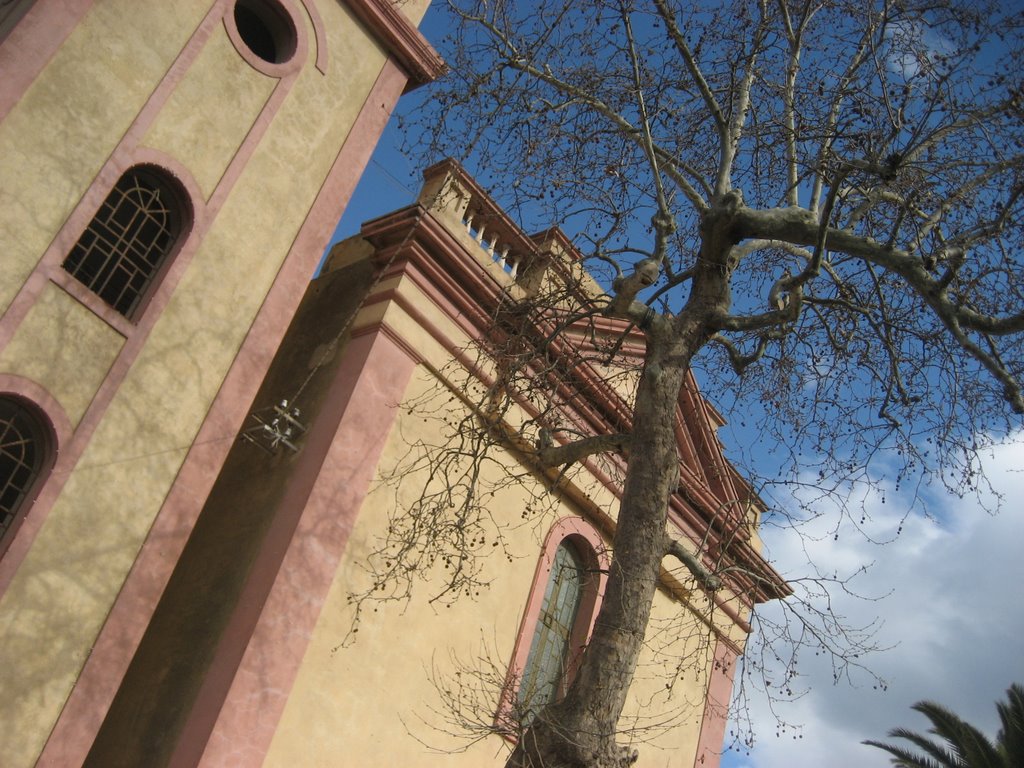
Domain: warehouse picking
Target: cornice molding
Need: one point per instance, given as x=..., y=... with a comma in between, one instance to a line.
x=413, y=243
x=403, y=41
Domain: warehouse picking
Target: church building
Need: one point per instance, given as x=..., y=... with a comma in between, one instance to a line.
x=170, y=173
x=235, y=526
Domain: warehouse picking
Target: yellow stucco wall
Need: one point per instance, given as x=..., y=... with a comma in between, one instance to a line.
x=55, y=140
x=374, y=699
x=75, y=341
x=52, y=145
x=206, y=132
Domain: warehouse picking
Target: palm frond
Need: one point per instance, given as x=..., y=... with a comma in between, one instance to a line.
x=971, y=746
x=1011, y=736
x=965, y=746
x=904, y=757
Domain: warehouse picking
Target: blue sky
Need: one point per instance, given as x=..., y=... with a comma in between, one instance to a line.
x=950, y=582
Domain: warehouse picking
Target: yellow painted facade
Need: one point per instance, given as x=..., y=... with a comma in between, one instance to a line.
x=160, y=84
x=394, y=670
x=173, y=595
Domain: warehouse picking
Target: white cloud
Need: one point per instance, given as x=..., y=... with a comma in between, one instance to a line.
x=912, y=46
x=954, y=616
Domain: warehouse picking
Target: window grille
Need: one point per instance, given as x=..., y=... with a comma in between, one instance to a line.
x=22, y=453
x=544, y=673
x=127, y=241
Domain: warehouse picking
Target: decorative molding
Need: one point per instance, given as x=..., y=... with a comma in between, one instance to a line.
x=402, y=40
x=56, y=424
x=591, y=547
x=716, y=706
x=91, y=697
x=294, y=61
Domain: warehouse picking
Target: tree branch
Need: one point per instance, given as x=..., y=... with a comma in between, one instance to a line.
x=704, y=577
x=549, y=455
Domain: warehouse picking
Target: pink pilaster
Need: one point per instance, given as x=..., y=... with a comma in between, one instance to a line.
x=374, y=375
x=716, y=706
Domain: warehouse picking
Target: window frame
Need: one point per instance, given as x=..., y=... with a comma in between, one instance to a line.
x=287, y=16
x=180, y=203
x=590, y=548
x=45, y=437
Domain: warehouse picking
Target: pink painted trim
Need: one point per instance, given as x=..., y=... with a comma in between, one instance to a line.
x=162, y=284
x=716, y=707
x=414, y=354
x=26, y=51
x=339, y=460
x=127, y=154
x=116, y=644
x=319, y=35
x=135, y=335
x=55, y=422
x=403, y=41
x=447, y=289
x=43, y=400
x=453, y=280
x=284, y=68
x=592, y=548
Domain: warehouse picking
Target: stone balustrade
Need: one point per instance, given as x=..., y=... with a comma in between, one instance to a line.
x=453, y=196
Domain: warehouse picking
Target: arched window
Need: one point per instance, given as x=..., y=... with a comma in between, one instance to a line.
x=121, y=252
x=545, y=671
x=25, y=455
x=556, y=623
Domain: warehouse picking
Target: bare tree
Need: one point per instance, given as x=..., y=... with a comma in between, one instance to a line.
x=816, y=204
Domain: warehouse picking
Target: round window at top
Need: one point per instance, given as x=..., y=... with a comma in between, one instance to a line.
x=267, y=29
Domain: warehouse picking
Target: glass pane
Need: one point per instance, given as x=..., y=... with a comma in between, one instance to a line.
x=549, y=651
x=20, y=458
x=125, y=243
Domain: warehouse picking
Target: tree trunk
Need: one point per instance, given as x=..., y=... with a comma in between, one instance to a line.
x=579, y=731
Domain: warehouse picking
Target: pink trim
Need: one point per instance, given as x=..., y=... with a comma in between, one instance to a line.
x=453, y=277
x=162, y=284
x=592, y=548
x=280, y=70
x=49, y=268
x=57, y=424
x=716, y=707
x=407, y=46
x=340, y=463
x=26, y=51
x=127, y=154
x=116, y=644
x=453, y=280
x=29, y=390
x=319, y=35
x=136, y=335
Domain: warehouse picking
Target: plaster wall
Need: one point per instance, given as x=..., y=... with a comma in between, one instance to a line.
x=155, y=80
x=64, y=127
x=77, y=343
x=377, y=696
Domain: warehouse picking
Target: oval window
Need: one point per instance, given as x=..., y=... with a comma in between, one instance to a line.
x=267, y=29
